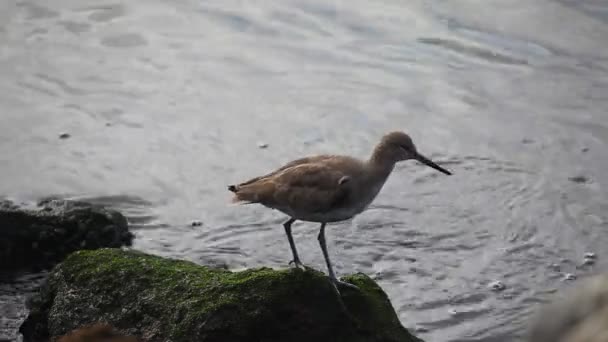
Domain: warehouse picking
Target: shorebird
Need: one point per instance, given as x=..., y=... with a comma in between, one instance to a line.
x=328, y=188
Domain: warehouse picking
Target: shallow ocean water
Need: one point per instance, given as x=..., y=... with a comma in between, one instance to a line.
x=166, y=103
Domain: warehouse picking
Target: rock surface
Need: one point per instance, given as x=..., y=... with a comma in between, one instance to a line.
x=42, y=236
x=577, y=315
x=159, y=299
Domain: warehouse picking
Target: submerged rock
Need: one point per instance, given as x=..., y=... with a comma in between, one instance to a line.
x=159, y=299
x=42, y=236
x=578, y=315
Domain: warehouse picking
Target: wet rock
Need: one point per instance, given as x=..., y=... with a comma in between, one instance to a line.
x=196, y=223
x=262, y=145
x=40, y=237
x=161, y=299
x=577, y=315
x=569, y=277
x=64, y=135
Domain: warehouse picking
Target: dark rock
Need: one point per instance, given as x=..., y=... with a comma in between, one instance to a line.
x=159, y=299
x=40, y=237
x=64, y=135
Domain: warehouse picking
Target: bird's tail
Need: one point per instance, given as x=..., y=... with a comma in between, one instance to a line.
x=240, y=197
x=248, y=193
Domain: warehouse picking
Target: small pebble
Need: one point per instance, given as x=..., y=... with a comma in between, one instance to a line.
x=262, y=145
x=497, y=286
x=585, y=149
x=421, y=330
x=569, y=277
x=588, y=261
x=590, y=255
x=555, y=267
x=527, y=141
x=196, y=223
x=579, y=179
x=64, y=135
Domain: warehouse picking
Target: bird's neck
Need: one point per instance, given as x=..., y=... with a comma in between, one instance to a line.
x=381, y=164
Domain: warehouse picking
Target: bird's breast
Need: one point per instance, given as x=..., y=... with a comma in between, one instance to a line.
x=366, y=195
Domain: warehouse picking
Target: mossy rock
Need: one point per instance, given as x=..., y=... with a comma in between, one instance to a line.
x=160, y=299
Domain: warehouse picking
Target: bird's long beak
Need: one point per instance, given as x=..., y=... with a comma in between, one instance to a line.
x=426, y=161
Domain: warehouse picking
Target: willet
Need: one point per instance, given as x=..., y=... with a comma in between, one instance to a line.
x=328, y=188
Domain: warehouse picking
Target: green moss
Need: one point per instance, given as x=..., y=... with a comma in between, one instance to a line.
x=166, y=299
x=372, y=304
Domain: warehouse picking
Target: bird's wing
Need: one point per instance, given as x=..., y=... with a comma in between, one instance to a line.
x=305, y=160
x=307, y=187
x=311, y=187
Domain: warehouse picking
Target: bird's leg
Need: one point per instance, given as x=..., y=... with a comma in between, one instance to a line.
x=296, y=259
x=330, y=270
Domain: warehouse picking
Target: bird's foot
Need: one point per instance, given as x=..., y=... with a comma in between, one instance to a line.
x=339, y=283
x=298, y=264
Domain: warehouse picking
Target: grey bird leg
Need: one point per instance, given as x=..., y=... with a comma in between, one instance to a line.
x=294, y=251
x=330, y=270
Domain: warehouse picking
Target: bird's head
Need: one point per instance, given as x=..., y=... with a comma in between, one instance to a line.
x=398, y=146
